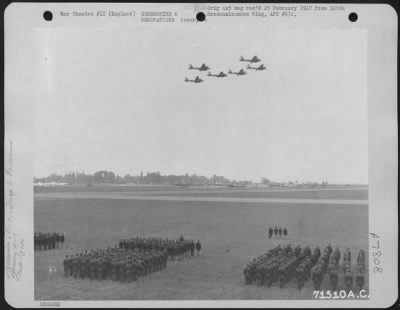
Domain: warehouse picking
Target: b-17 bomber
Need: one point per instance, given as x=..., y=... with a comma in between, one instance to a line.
x=196, y=80
x=219, y=75
x=259, y=68
x=240, y=72
x=255, y=59
x=203, y=67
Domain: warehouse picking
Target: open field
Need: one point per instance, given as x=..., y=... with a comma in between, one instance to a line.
x=232, y=232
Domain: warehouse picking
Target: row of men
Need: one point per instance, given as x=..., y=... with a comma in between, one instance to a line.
x=283, y=263
x=303, y=270
x=176, y=249
x=115, y=264
x=333, y=266
x=277, y=231
x=48, y=241
x=321, y=267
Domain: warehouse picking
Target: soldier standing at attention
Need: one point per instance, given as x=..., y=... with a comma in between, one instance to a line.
x=121, y=271
x=276, y=231
x=270, y=232
x=87, y=266
x=100, y=269
x=198, y=247
x=75, y=266
x=44, y=241
x=192, y=247
x=71, y=265
x=50, y=241
x=285, y=232
x=62, y=239
x=280, y=232
x=66, y=266
x=105, y=268
x=134, y=271
x=128, y=271
x=82, y=267
x=93, y=266
x=53, y=240
x=57, y=239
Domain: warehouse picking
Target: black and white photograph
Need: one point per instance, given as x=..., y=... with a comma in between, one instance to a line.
x=213, y=152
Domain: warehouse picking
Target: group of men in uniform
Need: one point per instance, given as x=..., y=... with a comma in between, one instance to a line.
x=277, y=264
x=48, y=241
x=176, y=249
x=277, y=231
x=129, y=260
x=303, y=270
x=117, y=264
x=282, y=263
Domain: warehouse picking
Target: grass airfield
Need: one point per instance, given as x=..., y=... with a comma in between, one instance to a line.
x=232, y=232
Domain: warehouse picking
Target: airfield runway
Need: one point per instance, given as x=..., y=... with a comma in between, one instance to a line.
x=231, y=226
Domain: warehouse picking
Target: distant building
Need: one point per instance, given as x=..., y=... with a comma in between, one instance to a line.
x=103, y=176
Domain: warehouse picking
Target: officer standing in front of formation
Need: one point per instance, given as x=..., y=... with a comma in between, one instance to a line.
x=270, y=232
x=198, y=247
x=62, y=239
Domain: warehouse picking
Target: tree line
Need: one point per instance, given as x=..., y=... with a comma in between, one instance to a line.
x=108, y=177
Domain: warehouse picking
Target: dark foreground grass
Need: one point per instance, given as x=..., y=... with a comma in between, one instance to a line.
x=231, y=233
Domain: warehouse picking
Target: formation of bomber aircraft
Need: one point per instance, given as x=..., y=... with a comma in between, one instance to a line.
x=221, y=74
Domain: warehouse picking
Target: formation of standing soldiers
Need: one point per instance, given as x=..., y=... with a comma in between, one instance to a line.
x=176, y=249
x=117, y=264
x=129, y=260
x=283, y=263
x=48, y=241
x=277, y=231
x=277, y=263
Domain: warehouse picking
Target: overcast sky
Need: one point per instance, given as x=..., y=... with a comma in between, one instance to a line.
x=115, y=99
